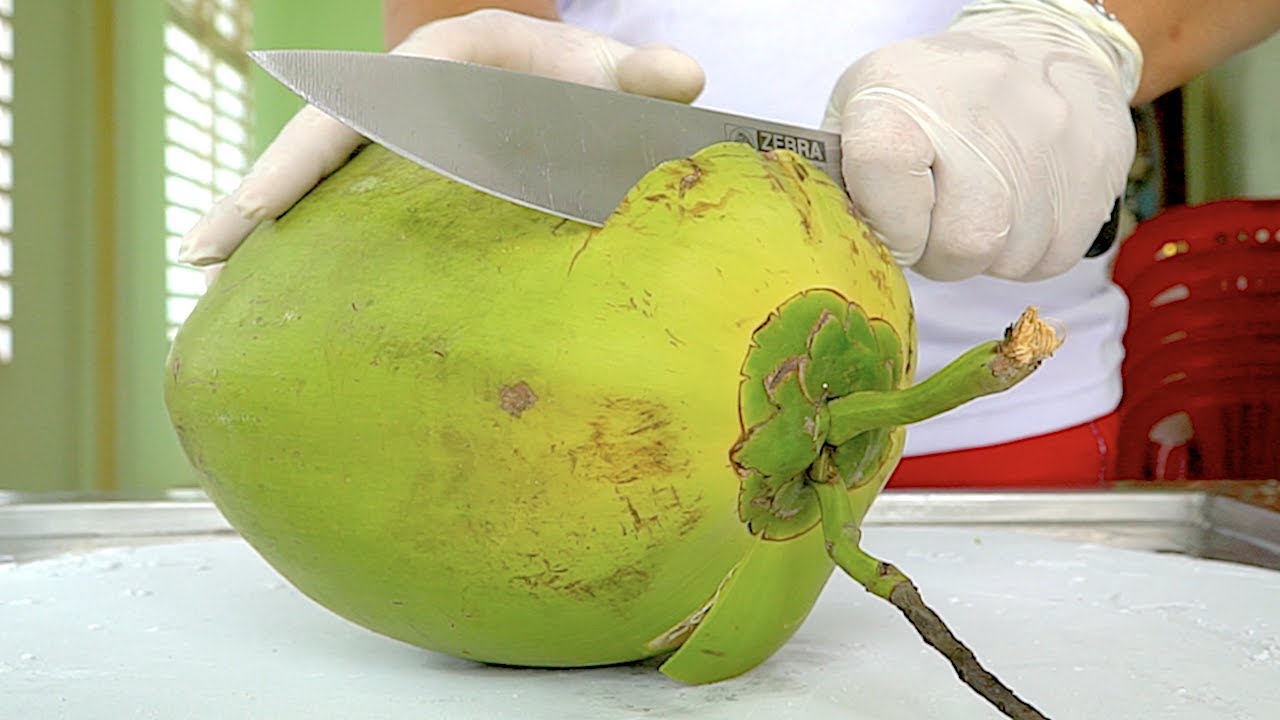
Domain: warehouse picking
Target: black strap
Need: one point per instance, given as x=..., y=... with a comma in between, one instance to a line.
x=1107, y=235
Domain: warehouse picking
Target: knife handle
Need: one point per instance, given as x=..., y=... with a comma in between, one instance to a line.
x=1107, y=235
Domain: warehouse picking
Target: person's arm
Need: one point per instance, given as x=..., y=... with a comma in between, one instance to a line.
x=401, y=17
x=1181, y=39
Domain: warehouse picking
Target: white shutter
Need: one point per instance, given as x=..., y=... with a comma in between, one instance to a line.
x=6, y=182
x=208, y=131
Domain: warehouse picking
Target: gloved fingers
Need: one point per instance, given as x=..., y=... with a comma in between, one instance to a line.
x=660, y=71
x=1115, y=149
x=1038, y=185
x=1090, y=174
x=211, y=273
x=972, y=218
x=513, y=41
x=1080, y=226
x=309, y=147
x=312, y=145
x=1033, y=230
x=1093, y=159
x=1017, y=100
x=887, y=159
x=218, y=232
x=938, y=203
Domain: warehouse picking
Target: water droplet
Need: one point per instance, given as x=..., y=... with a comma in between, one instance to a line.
x=27, y=657
x=94, y=626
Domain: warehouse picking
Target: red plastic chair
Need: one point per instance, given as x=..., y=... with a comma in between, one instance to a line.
x=1202, y=364
x=1222, y=428
x=1204, y=361
x=1212, y=229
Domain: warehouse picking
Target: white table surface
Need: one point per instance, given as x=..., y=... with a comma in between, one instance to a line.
x=207, y=630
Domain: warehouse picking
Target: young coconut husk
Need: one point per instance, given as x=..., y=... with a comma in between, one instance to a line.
x=496, y=434
x=793, y=461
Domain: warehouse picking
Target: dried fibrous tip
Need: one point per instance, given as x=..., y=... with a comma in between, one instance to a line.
x=1027, y=342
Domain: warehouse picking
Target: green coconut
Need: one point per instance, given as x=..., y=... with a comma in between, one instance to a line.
x=501, y=435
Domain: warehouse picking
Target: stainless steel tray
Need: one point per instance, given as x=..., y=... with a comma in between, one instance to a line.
x=1191, y=523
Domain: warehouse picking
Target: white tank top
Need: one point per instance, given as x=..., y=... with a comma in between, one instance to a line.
x=779, y=61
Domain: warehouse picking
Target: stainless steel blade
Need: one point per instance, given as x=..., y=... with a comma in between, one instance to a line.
x=567, y=149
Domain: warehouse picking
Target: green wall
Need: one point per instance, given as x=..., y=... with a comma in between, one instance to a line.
x=81, y=407
x=279, y=24
x=1233, y=127
x=44, y=432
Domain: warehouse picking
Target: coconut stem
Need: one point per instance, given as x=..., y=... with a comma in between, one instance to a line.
x=992, y=367
x=882, y=579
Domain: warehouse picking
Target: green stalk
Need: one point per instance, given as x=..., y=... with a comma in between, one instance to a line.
x=821, y=443
x=992, y=367
x=988, y=368
x=883, y=580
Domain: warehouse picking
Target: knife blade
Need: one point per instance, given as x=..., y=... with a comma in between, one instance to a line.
x=563, y=148
x=566, y=149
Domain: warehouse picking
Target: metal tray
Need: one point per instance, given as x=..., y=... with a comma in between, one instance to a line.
x=1192, y=523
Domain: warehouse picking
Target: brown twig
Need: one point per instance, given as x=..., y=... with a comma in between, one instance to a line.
x=887, y=581
x=906, y=598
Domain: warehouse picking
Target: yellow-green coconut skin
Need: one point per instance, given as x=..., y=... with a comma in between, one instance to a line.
x=497, y=434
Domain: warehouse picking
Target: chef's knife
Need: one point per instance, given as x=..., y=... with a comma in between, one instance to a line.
x=562, y=148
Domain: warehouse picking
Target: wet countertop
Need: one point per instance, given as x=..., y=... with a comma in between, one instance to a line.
x=1151, y=603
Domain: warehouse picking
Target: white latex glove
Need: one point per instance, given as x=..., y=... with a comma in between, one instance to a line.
x=997, y=147
x=312, y=145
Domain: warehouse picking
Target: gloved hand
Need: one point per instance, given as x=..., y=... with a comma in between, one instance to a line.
x=997, y=147
x=312, y=145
